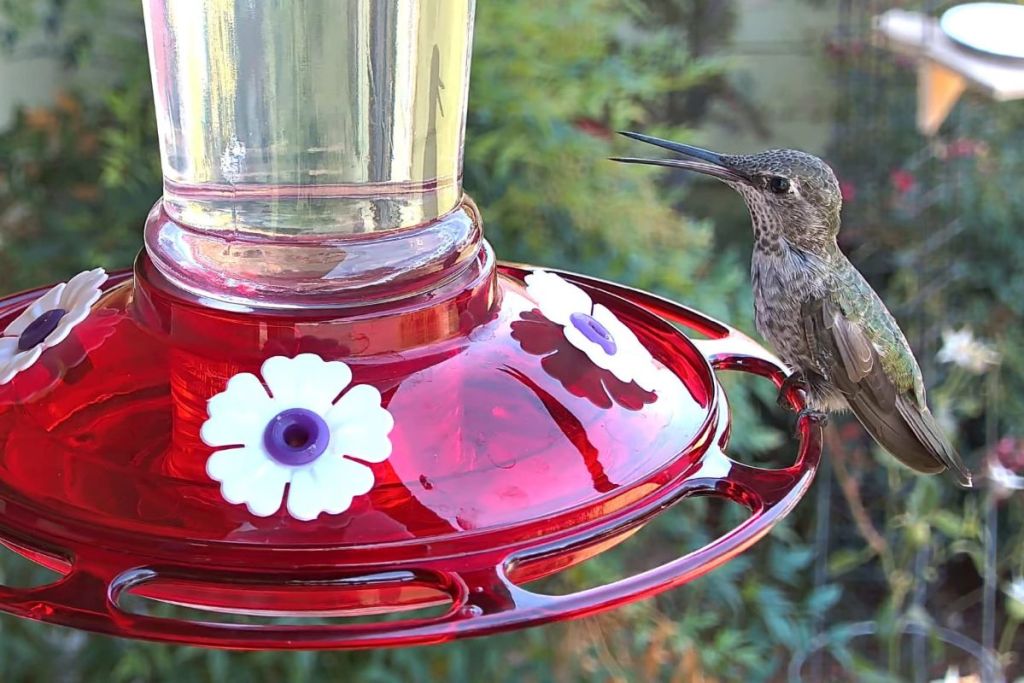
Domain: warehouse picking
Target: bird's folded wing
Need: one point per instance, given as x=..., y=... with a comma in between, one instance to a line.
x=850, y=360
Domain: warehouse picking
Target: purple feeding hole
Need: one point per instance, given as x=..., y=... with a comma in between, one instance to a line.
x=296, y=437
x=594, y=331
x=40, y=328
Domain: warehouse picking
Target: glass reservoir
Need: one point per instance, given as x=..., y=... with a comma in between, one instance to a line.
x=311, y=149
x=313, y=209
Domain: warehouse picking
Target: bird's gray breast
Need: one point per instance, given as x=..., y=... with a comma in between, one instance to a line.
x=782, y=281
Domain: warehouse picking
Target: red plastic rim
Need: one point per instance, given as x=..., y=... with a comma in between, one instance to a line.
x=479, y=572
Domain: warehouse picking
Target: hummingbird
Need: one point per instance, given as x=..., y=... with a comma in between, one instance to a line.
x=816, y=310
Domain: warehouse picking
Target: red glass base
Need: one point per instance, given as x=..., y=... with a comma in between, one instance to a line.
x=513, y=457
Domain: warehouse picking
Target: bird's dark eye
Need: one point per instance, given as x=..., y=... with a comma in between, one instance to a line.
x=778, y=184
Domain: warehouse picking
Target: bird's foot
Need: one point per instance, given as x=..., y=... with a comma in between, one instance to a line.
x=813, y=415
x=793, y=382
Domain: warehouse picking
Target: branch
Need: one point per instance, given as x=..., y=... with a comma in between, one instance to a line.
x=851, y=492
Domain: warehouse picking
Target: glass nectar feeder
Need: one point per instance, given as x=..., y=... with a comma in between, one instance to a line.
x=317, y=394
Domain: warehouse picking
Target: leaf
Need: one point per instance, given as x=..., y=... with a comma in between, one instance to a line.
x=824, y=598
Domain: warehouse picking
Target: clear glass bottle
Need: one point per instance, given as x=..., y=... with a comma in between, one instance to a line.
x=311, y=149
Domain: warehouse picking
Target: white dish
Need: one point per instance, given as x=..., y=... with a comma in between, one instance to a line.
x=996, y=28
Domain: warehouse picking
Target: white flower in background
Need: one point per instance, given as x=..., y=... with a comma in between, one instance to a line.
x=961, y=348
x=953, y=676
x=1003, y=463
x=1015, y=598
x=297, y=435
x=1004, y=479
x=593, y=329
x=48, y=321
x=1015, y=589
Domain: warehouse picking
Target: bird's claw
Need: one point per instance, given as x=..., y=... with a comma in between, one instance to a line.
x=791, y=383
x=813, y=415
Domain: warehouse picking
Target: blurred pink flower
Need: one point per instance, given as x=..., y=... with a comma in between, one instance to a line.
x=848, y=190
x=902, y=181
x=593, y=128
x=1009, y=452
x=836, y=48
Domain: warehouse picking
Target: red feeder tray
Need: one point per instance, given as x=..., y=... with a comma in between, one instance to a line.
x=503, y=471
x=317, y=395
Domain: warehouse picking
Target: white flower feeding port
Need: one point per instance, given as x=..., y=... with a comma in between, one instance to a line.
x=48, y=321
x=301, y=435
x=593, y=329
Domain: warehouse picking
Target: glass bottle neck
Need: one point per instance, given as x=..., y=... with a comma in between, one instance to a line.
x=311, y=149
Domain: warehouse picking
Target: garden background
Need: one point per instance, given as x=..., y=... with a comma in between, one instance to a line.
x=874, y=554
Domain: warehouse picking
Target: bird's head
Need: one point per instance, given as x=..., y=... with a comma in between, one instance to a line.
x=791, y=195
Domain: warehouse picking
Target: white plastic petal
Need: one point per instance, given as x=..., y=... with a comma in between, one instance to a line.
x=64, y=327
x=318, y=382
x=244, y=384
x=227, y=432
x=233, y=463
x=44, y=303
x=277, y=372
x=328, y=485
x=343, y=477
x=595, y=352
x=369, y=424
x=26, y=359
x=239, y=414
x=623, y=369
x=632, y=362
x=339, y=487
x=21, y=322
x=304, y=501
x=261, y=488
x=20, y=361
x=556, y=298
x=268, y=492
x=76, y=285
x=8, y=347
x=83, y=290
x=337, y=501
x=364, y=446
x=624, y=337
x=354, y=405
x=50, y=300
x=646, y=376
x=305, y=381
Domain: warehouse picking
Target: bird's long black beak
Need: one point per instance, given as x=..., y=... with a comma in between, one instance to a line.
x=700, y=160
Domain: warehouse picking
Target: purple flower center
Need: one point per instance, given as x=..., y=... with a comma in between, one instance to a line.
x=40, y=328
x=594, y=331
x=296, y=437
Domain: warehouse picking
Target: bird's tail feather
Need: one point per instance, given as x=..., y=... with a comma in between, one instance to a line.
x=911, y=435
x=929, y=433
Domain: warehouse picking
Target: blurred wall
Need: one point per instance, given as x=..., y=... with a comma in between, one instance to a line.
x=26, y=80
x=776, y=56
